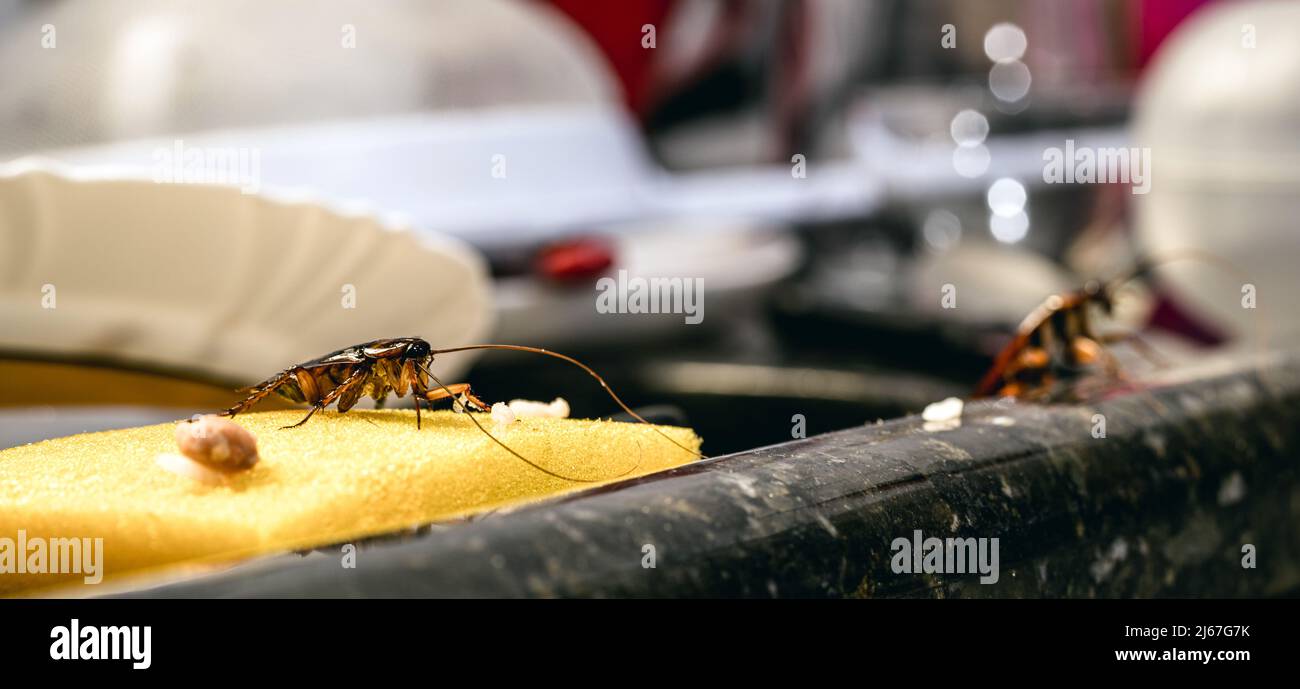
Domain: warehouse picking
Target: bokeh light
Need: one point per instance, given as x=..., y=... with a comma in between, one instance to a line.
x=1006, y=197
x=971, y=161
x=1009, y=229
x=1005, y=42
x=969, y=128
x=1009, y=81
x=941, y=230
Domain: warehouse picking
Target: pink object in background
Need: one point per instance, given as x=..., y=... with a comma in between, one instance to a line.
x=1157, y=19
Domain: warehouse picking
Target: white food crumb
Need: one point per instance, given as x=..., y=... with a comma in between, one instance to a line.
x=946, y=410
x=502, y=414
x=557, y=409
x=184, y=466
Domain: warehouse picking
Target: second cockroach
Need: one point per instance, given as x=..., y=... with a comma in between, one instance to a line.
x=1054, y=340
x=1057, y=339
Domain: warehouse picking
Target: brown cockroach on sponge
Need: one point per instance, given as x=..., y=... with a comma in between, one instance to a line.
x=395, y=365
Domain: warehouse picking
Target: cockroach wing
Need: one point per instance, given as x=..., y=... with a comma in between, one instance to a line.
x=343, y=357
x=386, y=349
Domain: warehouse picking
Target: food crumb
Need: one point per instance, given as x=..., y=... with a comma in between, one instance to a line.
x=217, y=443
x=184, y=466
x=557, y=409
x=502, y=415
x=943, y=416
x=946, y=410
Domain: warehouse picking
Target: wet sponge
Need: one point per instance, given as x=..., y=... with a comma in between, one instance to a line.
x=339, y=477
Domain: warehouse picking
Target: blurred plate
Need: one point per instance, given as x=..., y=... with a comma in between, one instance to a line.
x=492, y=176
x=213, y=282
x=736, y=262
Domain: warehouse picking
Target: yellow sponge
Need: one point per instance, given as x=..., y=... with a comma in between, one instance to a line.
x=337, y=478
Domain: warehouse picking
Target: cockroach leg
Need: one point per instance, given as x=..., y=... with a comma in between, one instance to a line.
x=1139, y=344
x=256, y=393
x=348, y=391
x=1085, y=351
x=306, y=382
x=1033, y=358
x=456, y=390
x=304, y=419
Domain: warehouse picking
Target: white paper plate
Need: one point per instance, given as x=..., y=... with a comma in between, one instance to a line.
x=207, y=279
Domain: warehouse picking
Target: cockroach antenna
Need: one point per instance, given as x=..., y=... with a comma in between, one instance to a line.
x=579, y=364
x=511, y=450
x=1145, y=266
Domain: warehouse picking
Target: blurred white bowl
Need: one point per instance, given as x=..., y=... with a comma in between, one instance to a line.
x=1220, y=112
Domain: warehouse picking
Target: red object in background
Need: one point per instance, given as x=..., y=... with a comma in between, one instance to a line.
x=1157, y=19
x=615, y=26
x=576, y=259
x=1169, y=315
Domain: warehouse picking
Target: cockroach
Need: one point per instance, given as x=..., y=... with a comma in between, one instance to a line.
x=397, y=365
x=1057, y=339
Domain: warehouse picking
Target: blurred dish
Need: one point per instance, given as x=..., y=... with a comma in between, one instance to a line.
x=729, y=264
x=210, y=281
x=139, y=69
x=492, y=176
x=1222, y=121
